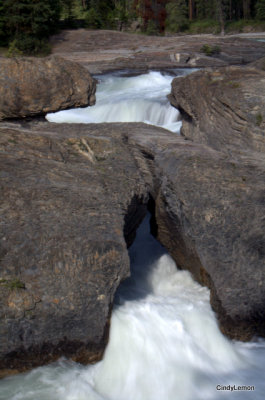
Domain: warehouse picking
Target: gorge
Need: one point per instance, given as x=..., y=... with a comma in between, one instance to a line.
x=73, y=196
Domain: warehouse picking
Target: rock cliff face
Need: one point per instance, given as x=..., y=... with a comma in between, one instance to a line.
x=32, y=86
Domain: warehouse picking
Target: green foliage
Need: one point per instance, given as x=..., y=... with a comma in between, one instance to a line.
x=260, y=10
x=210, y=50
x=93, y=19
x=233, y=84
x=245, y=26
x=152, y=28
x=3, y=38
x=29, y=23
x=259, y=119
x=30, y=45
x=12, y=284
x=205, y=9
x=100, y=14
x=177, y=16
x=204, y=26
x=121, y=15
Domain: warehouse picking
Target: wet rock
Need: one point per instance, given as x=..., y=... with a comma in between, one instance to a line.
x=33, y=86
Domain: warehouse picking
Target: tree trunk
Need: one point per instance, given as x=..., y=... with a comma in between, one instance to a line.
x=221, y=16
x=190, y=10
x=246, y=9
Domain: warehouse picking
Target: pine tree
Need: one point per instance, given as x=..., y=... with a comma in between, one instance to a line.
x=2, y=24
x=222, y=11
x=177, y=15
x=68, y=10
x=246, y=9
x=100, y=14
x=205, y=9
x=30, y=22
x=260, y=10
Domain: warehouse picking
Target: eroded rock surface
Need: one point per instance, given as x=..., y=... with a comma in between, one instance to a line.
x=33, y=86
x=223, y=108
x=102, y=51
x=65, y=193
x=72, y=197
x=72, y=194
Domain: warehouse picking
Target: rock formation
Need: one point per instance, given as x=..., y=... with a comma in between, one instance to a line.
x=65, y=193
x=72, y=197
x=34, y=86
x=224, y=109
x=102, y=51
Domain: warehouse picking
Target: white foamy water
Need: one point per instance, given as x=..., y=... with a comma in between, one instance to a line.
x=139, y=98
x=164, y=345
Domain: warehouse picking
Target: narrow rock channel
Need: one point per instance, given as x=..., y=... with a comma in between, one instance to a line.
x=164, y=343
x=164, y=338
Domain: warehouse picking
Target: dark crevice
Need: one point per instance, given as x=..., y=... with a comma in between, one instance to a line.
x=151, y=206
x=135, y=214
x=185, y=116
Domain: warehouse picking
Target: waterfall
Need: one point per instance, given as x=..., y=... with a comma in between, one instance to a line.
x=128, y=99
x=164, y=344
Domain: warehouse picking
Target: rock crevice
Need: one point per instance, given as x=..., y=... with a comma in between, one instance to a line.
x=72, y=197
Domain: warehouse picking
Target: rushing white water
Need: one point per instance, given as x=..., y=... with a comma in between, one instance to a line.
x=164, y=345
x=139, y=98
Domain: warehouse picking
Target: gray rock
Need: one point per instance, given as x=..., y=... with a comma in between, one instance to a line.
x=224, y=108
x=72, y=197
x=34, y=86
x=65, y=193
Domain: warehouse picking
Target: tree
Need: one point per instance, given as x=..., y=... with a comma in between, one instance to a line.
x=68, y=9
x=2, y=24
x=100, y=14
x=191, y=6
x=30, y=22
x=260, y=10
x=205, y=9
x=177, y=15
x=221, y=15
x=246, y=9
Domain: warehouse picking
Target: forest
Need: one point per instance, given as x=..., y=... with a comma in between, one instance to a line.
x=26, y=25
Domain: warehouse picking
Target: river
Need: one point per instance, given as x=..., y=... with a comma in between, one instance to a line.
x=140, y=98
x=164, y=343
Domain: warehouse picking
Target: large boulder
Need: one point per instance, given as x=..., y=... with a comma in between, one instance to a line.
x=71, y=196
x=32, y=86
x=223, y=108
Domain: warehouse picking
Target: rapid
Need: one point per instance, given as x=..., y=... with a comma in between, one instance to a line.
x=165, y=343
x=139, y=98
